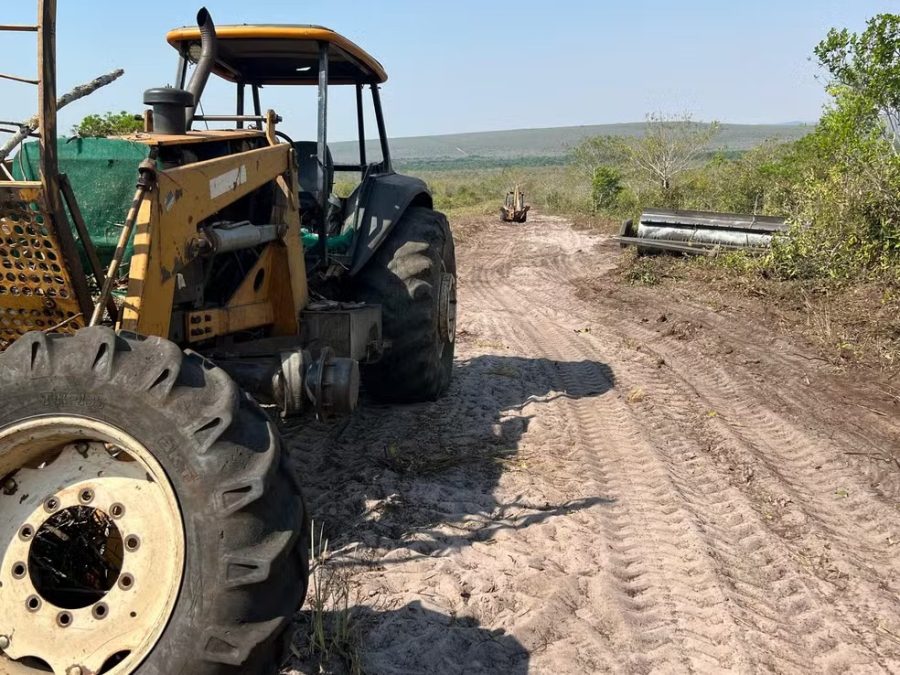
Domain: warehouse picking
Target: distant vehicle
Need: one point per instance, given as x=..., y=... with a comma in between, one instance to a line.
x=514, y=210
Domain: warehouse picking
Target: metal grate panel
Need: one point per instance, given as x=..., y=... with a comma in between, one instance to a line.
x=36, y=289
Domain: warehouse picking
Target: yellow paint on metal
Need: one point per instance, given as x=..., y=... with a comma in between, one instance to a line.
x=168, y=222
x=286, y=32
x=287, y=211
x=36, y=289
x=263, y=299
x=224, y=321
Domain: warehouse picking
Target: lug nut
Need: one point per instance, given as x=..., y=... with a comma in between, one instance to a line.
x=4, y=642
x=132, y=542
x=75, y=670
x=117, y=510
x=26, y=532
x=86, y=496
x=51, y=504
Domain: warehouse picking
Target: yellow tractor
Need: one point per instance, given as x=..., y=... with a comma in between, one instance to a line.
x=514, y=209
x=148, y=519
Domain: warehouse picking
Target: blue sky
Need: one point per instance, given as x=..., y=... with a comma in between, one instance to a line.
x=476, y=65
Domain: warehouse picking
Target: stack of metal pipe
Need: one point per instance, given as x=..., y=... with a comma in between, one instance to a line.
x=699, y=232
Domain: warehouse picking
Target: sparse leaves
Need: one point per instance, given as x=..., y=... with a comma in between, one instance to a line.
x=599, y=151
x=670, y=145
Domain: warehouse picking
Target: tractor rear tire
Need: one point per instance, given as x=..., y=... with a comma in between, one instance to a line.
x=413, y=277
x=237, y=521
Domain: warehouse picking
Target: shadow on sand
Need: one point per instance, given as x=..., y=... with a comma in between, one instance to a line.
x=422, y=478
x=413, y=639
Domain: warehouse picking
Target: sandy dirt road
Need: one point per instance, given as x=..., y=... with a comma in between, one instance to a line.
x=621, y=479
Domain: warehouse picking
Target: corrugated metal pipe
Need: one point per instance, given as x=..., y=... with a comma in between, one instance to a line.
x=699, y=232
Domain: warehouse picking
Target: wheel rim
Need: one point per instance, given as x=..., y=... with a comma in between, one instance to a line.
x=91, y=548
x=447, y=309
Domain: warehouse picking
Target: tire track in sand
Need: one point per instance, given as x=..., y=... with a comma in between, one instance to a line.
x=773, y=568
x=661, y=587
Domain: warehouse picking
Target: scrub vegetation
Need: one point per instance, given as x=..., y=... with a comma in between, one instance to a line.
x=838, y=186
x=109, y=124
x=837, y=183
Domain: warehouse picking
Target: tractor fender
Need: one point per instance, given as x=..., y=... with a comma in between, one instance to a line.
x=381, y=201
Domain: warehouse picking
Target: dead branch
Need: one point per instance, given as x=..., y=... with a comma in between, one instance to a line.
x=28, y=128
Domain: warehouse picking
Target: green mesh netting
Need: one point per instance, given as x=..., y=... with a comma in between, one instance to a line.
x=103, y=173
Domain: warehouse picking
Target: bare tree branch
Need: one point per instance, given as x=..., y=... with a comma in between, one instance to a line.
x=670, y=145
x=78, y=92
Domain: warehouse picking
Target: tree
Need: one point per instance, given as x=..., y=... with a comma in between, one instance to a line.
x=110, y=124
x=597, y=151
x=868, y=64
x=605, y=187
x=845, y=198
x=669, y=146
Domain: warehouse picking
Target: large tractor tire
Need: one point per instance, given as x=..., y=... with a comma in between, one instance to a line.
x=413, y=277
x=148, y=523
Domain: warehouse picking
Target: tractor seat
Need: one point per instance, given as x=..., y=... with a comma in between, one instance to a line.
x=308, y=169
x=308, y=177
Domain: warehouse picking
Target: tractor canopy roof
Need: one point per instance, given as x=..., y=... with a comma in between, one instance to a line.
x=281, y=54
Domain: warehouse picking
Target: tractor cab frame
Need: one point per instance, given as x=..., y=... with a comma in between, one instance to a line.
x=252, y=58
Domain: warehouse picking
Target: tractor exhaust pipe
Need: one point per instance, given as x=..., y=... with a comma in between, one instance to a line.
x=208, y=51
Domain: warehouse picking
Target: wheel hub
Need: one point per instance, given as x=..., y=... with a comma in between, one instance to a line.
x=447, y=308
x=91, y=548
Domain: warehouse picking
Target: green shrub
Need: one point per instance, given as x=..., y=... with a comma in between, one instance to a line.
x=109, y=124
x=606, y=186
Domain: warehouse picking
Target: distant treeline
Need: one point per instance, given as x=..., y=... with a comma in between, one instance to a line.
x=476, y=163
x=543, y=147
x=473, y=162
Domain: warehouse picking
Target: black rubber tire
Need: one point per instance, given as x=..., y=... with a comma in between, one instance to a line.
x=246, y=534
x=404, y=277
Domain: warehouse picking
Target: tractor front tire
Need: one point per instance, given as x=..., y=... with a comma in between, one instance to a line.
x=150, y=469
x=413, y=277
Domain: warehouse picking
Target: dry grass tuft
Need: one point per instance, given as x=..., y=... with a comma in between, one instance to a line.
x=331, y=639
x=636, y=395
